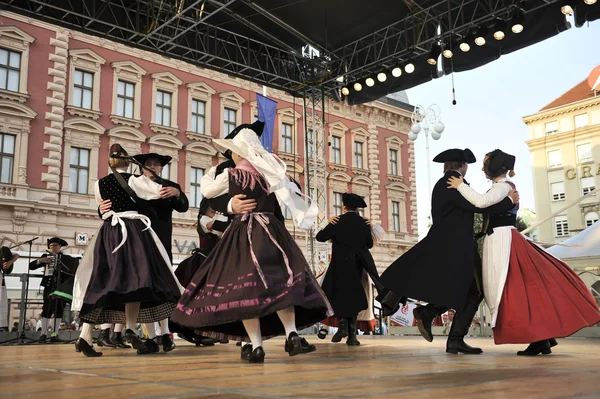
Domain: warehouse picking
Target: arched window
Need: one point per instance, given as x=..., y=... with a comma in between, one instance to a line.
x=591, y=218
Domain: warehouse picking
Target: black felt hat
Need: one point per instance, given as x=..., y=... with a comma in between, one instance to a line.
x=257, y=127
x=56, y=240
x=142, y=158
x=455, y=155
x=353, y=201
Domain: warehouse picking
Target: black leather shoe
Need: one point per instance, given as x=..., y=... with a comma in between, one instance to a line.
x=293, y=344
x=134, y=340
x=552, y=342
x=104, y=339
x=536, y=348
x=167, y=343
x=150, y=346
x=246, y=352
x=306, y=347
x=82, y=346
x=205, y=341
x=456, y=347
x=257, y=356
x=424, y=321
x=43, y=338
x=322, y=333
x=352, y=340
x=117, y=340
x=342, y=331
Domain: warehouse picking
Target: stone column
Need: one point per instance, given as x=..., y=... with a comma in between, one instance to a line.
x=373, y=162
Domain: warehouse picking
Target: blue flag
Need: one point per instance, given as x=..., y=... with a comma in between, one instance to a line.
x=267, y=110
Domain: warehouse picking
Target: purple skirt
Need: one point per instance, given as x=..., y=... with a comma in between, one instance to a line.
x=137, y=272
x=255, y=270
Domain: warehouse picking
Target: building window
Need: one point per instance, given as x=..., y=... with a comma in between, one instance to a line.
x=358, y=154
x=581, y=121
x=163, y=108
x=588, y=184
x=558, y=191
x=286, y=138
x=337, y=204
x=198, y=116
x=561, y=224
x=552, y=127
x=591, y=218
x=394, y=162
x=195, y=195
x=83, y=89
x=10, y=70
x=229, y=120
x=7, y=157
x=395, y=216
x=554, y=159
x=79, y=170
x=165, y=172
x=584, y=152
x=125, y=99
x=336, y=150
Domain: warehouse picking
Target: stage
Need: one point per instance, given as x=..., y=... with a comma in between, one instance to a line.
x=382, y=367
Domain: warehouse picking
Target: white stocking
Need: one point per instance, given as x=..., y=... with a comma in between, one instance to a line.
x=252, y=327
x=164, y=327
x=105, y=326
x=151, y=330
x=131, y=314
x=86, y=333
x=119, y=327
x=288, y=319
x=44, y=325
x=57, y=321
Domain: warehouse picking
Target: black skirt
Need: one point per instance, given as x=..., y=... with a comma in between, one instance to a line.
x=136, y=272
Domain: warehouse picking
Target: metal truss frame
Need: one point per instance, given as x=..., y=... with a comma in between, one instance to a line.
x=315, y=175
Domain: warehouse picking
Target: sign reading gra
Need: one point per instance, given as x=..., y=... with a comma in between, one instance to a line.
x=583, y=171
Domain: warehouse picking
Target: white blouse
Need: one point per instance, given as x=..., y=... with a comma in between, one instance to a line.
x=142, y=186
x=496, y=194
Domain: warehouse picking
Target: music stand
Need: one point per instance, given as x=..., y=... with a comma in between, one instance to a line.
x=20, y=340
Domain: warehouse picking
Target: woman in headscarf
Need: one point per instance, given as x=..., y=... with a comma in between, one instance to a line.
x=533, y=296
x=255, y=284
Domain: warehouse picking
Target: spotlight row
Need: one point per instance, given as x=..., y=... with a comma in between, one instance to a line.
x=475, y=35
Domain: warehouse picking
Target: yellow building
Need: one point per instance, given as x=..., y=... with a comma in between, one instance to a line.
x=564, y=141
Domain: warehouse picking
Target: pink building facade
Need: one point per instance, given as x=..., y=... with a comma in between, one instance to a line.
x=65, y=97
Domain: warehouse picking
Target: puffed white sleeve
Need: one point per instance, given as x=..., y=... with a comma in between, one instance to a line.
x=204, y=221
x=496, y=194
x=97, y=192
x=213, y=187
x=144, y=187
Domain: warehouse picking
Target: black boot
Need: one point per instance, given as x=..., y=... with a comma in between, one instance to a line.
x=552, y=342
x=117, y=339
x=460, y=327
x=293, y=344
x=424, y=316
x=536, y=348
x=104, y=339
x=167, y=343
x=88, y=350
x=342, y=331
x=134, y=340
x=150, y=346
x=352, y=341
x=257, y=356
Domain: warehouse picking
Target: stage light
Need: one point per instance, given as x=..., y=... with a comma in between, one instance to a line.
x=410, y=67
x=567, y=9
x=499, y=29
x=517, y=22
x=382, y=77
x=480, y=37
x=589, y=2
x=340, y=79
x=345, y=91
x=370, y=82
x=396, y=72
x=357, y=86
x=434, y=54
x=464, y=42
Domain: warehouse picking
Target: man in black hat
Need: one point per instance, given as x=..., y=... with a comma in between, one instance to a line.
x=351, y=240
x=58, y=267
x=444, y=269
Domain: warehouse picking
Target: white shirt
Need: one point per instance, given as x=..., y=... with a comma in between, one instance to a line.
x=205, y=220
x=496, y=194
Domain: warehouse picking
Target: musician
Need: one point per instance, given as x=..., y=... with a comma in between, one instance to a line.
x=58, y=268
x=172, y=198
x=6, y=262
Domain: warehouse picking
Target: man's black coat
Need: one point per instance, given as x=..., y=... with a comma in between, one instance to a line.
x=439, y=269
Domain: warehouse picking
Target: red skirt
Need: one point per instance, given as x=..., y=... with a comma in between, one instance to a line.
x=362, y=325
x=543, y=297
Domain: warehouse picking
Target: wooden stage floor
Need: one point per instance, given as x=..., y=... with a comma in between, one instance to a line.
x=383, y=367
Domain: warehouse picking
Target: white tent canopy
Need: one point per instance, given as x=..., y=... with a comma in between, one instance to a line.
x=584, y=245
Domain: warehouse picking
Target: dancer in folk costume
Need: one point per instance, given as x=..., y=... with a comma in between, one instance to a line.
x=126, y=277
x=343, y=283
x=255, y=283
x=533, y=296
x=7, y=259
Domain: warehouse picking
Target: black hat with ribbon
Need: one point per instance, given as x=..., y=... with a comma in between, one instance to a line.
x=163, y=159
x=353, y=201
x=455, y=155
x=56, y=240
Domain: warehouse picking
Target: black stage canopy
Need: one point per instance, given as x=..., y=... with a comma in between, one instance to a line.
x=264, y=40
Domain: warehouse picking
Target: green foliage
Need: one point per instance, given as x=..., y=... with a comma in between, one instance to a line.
x=478, y=224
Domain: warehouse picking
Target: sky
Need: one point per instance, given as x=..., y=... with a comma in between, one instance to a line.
x=491, y=102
